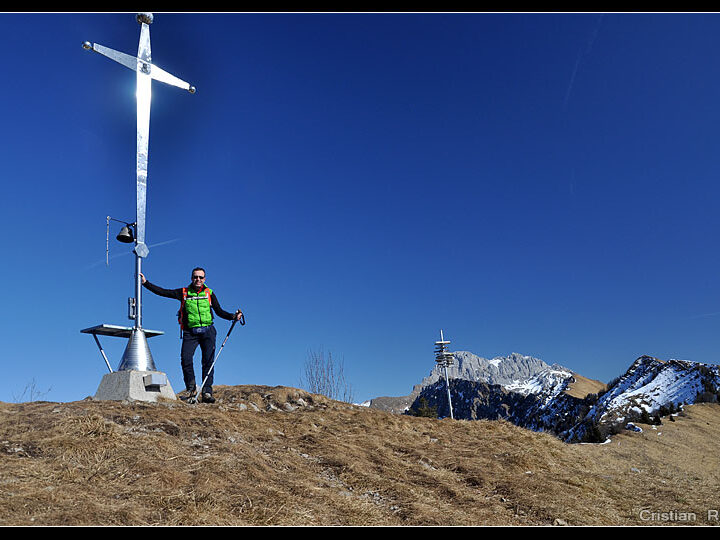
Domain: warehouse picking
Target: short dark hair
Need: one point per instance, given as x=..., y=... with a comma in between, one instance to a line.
x=196, y=269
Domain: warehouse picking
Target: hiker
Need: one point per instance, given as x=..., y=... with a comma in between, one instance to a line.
x=197, y=302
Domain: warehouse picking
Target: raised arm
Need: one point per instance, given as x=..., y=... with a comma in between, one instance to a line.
x=221, y=312
x=167, y=293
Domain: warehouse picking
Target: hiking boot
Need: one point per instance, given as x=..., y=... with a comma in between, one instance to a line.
x=208, y=398
x=188, y=393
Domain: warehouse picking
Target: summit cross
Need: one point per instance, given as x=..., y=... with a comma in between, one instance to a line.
x=146, y=71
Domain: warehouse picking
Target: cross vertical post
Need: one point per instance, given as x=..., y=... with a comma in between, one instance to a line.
x=137, y=354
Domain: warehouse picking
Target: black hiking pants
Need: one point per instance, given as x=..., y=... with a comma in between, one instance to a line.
x=205, y=337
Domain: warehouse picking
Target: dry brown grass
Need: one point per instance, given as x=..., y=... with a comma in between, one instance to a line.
x=582, y=386
x=280, y=456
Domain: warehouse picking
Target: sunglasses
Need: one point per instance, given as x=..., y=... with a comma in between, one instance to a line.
x=198, y=277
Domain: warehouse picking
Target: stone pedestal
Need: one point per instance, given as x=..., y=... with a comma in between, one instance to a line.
x=135, y=385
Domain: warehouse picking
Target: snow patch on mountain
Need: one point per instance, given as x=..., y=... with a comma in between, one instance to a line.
x=550, y=381
x=647, y=386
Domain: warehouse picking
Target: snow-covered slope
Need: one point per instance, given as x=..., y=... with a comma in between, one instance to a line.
x=549, y=382
x=647, y=386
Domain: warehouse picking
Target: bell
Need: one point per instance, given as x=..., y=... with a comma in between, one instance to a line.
x=125, y=235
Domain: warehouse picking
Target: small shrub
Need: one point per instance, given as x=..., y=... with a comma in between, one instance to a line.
x=424, y=410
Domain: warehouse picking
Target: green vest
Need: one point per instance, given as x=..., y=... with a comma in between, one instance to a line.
x=197, y=307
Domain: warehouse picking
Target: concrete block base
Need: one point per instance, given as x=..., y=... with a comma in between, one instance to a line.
x=134, y=385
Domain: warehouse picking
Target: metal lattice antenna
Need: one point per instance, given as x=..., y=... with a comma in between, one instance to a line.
x=145, y=71
x=444, y=358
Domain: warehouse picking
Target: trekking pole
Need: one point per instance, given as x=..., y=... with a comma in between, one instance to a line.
x=212, y=366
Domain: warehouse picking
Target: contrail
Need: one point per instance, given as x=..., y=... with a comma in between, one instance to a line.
x=703, y=315
x=582, y=54
x=572, y=80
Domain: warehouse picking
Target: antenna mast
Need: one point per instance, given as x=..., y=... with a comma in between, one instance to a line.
x=444, y=358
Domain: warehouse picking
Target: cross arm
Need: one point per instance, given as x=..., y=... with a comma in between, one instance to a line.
x=163, y=76
x=121, y=58
x=131, y=62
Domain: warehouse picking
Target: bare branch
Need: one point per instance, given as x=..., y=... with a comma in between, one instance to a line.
x=325, y=375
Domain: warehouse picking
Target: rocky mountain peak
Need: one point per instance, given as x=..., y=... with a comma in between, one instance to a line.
x=501, y=370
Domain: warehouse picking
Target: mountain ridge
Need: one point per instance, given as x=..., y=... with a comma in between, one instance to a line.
x=533, y=394
x=648, y=387
x=514, y=371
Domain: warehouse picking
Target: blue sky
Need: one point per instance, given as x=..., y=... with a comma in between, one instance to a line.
x=537, y=183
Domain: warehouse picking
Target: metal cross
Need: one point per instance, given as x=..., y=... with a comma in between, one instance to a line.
x=146, y=71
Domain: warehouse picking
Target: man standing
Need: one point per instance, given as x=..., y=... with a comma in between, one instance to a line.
x=197, y=302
